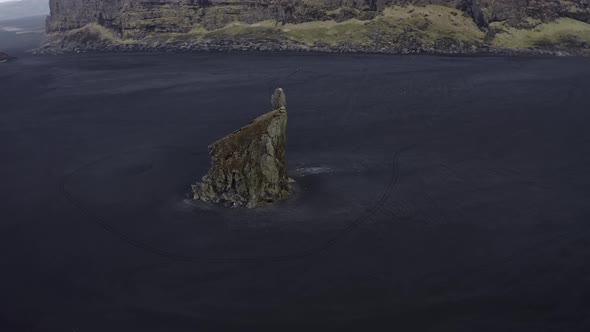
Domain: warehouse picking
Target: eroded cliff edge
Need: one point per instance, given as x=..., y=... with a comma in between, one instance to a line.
x=373, y=26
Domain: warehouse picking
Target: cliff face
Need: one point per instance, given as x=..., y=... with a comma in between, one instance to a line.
x=68, y=15
x=141, y=16
x=137, y=18
x=385, y=25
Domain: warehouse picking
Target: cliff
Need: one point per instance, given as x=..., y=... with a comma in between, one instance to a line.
x=387, y=26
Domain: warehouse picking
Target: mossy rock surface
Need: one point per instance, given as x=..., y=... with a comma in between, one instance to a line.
x=248, y=166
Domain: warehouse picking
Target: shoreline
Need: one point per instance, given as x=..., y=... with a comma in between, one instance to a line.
x=261, y=46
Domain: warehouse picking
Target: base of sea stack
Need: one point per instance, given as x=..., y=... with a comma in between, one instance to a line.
x=5, y=57
x=248, y=166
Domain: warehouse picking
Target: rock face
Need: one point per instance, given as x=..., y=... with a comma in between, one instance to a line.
x=279, y=100
x=248, y=166
x=140, y=17
x=373, y=26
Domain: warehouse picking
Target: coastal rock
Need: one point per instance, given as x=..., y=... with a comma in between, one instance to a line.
x=248, y=166
x=5, y=57
x=279, y=100
x=142, y=17
x=336, y=26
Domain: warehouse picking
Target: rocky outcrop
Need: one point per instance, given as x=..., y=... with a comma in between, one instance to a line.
x=248, y=166
x=5, y=57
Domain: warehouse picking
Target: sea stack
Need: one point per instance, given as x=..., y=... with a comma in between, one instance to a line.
x=248, y=166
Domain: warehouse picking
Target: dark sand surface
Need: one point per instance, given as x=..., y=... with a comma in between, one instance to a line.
x=433, y=194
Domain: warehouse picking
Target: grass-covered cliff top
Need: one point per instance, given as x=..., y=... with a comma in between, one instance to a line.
x=430, y=28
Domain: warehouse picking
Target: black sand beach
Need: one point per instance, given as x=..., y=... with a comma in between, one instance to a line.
x=433, y=194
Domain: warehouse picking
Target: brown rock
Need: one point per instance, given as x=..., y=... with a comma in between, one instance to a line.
x=248, y=166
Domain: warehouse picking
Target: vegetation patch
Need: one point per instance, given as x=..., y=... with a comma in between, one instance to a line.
x=329, y=32
x=92, y=34
x=238, y=30
x=431, y=26
x=423, y=25
x=309, y=33
x=561, y=33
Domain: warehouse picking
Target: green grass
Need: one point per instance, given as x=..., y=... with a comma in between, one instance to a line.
x=428, y=24
x=238, y=30
x=329, y=32
x=559, y=33
x=95, y=33
x=310, y=33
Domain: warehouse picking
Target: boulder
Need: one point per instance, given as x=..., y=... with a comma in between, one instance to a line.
x=278, y=100
x=5, y=57
x=248, y=166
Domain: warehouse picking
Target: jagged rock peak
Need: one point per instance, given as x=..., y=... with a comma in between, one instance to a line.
x=248, y=166
x=278, y=100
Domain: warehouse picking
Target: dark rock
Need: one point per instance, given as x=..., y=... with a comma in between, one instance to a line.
x=5, y=57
